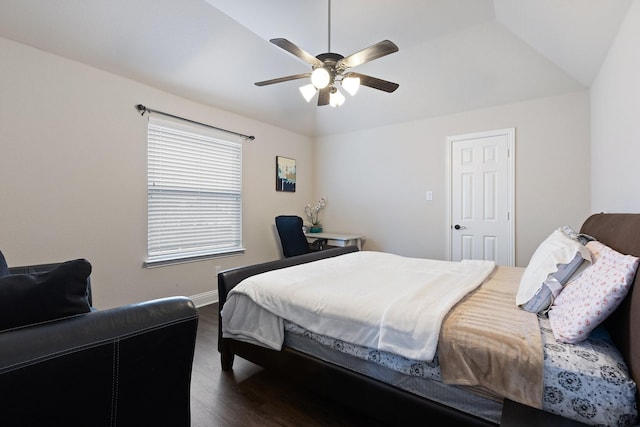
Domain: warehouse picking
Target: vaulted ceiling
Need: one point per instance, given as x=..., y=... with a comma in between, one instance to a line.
x=455, y=55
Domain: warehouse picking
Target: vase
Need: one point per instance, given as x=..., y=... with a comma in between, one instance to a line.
x=316, y=229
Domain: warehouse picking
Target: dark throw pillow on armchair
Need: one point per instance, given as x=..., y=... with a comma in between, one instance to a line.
x=4, y=269
x=34, y=298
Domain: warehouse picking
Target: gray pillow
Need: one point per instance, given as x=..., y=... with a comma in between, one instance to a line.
x=551, y=287
x=580, y=237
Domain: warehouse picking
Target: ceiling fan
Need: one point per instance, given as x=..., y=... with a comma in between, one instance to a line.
x=329, y=69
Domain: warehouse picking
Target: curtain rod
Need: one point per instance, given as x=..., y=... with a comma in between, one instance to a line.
x=142, y=109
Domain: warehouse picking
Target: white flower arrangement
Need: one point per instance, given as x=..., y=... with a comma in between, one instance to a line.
x=312, y=212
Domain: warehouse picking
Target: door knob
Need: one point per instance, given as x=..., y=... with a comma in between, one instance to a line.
x=459, y=227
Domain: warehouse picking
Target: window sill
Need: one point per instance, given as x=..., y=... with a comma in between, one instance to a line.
x=183, y=260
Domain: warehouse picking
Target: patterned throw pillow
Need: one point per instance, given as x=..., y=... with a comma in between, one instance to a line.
x=589, y=299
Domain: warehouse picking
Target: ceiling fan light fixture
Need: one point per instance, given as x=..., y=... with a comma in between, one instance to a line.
x=351, y=84
x=308, y=91
x=336, y=98
x=330, y=68
x=320, y=78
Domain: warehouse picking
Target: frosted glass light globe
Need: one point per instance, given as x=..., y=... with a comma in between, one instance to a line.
x=320, y=78
x=351, y=84
x=308, y=91
x=336, y=99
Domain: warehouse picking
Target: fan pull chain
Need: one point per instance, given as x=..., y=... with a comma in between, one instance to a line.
x=329, y=31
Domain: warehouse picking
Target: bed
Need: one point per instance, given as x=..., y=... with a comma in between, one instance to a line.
x=398, y=390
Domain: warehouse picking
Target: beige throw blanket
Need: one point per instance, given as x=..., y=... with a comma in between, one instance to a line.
x=488, y=343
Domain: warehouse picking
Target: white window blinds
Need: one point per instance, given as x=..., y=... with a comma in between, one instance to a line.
x=194, y=192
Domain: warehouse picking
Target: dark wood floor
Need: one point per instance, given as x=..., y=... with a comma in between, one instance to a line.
x=250, y=396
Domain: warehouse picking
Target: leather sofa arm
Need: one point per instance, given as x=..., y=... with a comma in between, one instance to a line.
x=126, y=366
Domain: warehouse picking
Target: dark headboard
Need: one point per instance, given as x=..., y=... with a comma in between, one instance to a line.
x=622, y=233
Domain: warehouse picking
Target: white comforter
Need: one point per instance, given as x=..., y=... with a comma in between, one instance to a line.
x=378, y=300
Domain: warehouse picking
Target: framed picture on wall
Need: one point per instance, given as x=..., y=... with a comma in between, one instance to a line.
x=285, y=174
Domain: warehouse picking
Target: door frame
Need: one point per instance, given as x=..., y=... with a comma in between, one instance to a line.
x=511, y=147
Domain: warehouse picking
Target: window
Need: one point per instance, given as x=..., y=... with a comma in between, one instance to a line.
x=194, y=192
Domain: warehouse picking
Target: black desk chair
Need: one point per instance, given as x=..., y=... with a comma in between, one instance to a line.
x=292, y=238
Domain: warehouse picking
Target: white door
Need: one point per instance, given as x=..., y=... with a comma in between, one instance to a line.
x=481, y=196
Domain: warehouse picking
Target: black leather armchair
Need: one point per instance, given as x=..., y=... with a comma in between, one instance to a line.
x=126, y=366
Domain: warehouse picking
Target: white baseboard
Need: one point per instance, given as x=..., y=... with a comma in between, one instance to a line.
x=205, y=298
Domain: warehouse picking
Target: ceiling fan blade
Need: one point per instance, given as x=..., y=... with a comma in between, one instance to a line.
x=376, y=83
x=370, y=53
x=283, y=79
x=296, y=51
x=324, y=96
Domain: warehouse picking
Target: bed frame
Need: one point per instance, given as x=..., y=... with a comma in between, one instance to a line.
x=398, y=407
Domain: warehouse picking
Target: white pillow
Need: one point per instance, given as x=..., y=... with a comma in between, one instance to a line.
x=558, y=248
x=589, y=299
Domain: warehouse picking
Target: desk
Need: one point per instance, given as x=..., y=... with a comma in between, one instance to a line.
x=338, y=239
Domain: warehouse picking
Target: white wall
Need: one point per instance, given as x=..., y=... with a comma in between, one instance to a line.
x=615, y=123
x=375, y=180
x=73, y=176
